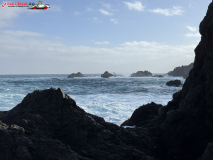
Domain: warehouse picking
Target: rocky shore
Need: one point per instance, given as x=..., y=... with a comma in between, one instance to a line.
x=48, y=125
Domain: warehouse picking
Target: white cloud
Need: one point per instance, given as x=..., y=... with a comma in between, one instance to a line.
x=102, y=43
x=51, y=53
x=135, y=5
x=193, y=34
x=77, y=13
x=95, y=19
x=176, y=10
x=107, y=5
x=114, y=21
x=22, y=33
x=105, y=12
x=193, y=29
x=88, y=9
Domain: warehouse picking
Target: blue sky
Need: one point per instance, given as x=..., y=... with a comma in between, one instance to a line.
x=92, y=36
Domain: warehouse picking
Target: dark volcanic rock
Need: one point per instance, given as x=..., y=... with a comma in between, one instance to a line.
x=73, y=75
x=176, y=83
x=182, y=71
x=184, y=127
x=107, y=75
x=143, y=115
x=53, y=124
x=142, y=74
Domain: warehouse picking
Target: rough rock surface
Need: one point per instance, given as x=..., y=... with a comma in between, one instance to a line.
x=182, y=71
x=52, y=125
x=176, y=83
x=185, y=124
x=142, y=74
x=143, y=115
x=73, y=75
x=107, y=75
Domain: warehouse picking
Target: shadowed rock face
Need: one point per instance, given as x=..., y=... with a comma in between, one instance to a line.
x=182, y=71
x=176, y=83
x=50, y=120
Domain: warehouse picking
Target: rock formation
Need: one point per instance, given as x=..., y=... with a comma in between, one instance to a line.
x=158, y=75
x=73, y=75
x=185, y=125
x=176, y=83
x=107, y=75
x=182, y=71
x=142, y=74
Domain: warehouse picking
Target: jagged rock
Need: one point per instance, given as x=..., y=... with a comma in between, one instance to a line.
x=107, y=75
x=51, y=120
x=142, y=74
x=143, y=115
x=176, y=83
x=182, y=71
x=73, y=75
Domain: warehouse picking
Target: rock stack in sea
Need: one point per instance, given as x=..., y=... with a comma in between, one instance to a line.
x=73, y=75
x=176, y=83
x=182, y=71
x=107, y=75
x=142, y=74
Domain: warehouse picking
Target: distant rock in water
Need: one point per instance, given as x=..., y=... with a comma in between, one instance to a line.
x=176, y=83
x=107, y=75
x=73, y=75
x=182, y=71
x=142, y=74
x=158, y=75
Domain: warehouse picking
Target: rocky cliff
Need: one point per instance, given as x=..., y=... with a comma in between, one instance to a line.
x=182, y=71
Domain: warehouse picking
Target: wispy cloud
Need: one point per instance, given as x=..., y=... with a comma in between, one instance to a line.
x=114, y=21
x=193, y=34
x=102, y=43
x=176, y=10
x=135, y=5
x=95, y=19
x=105, y=12
x=88, y=9
x=193, y=29
x=77, y=13
x=22, y=33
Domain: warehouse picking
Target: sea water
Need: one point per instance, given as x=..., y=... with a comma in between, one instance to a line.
x=114, y=99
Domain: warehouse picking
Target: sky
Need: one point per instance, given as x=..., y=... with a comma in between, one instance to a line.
x=93, y=36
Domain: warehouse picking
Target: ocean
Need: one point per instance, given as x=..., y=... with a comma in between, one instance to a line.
x=114, y=99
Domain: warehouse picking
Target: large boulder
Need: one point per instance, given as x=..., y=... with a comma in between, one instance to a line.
x=51, y=124
x=176, y=83
x=73, y=75
x=182, y=71
x=107, y=75
x=142, y=74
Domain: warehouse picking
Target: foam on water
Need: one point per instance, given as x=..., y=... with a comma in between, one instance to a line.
x=114, y=99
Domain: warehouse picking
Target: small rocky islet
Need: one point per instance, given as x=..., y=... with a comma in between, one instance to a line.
x=49, y=125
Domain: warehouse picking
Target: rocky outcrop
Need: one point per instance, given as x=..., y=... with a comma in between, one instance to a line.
x=158, y=75
x=182, y=71
x=143, y=115
x=49, y=124
x=142, y=74
x=73, y=75
x=107, y=75
x=184, y=127
x=176, y=83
